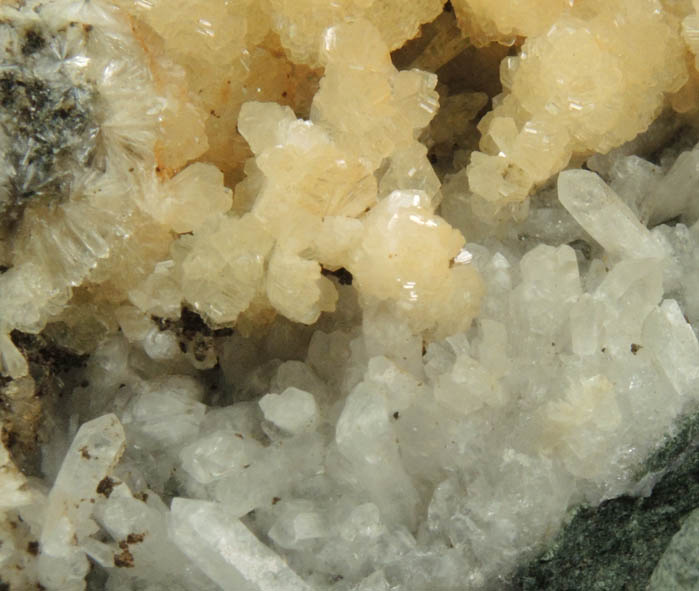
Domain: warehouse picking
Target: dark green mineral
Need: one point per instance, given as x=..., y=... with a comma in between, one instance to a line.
x=618, y=545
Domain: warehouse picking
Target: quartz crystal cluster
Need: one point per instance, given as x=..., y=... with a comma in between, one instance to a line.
x=363, y=295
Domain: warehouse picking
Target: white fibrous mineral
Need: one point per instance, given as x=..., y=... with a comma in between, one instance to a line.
x=80, y=116
x=361, y=295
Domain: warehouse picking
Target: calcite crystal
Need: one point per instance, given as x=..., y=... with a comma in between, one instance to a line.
x=304, y=295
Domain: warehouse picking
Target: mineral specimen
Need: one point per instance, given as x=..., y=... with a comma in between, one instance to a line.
x=348, y=296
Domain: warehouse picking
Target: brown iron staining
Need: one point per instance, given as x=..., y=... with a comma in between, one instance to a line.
x=194, y=336
x=124, y=559
x=23, y=401
x=106, y=486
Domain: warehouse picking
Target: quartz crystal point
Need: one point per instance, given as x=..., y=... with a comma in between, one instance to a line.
x=227, y=551
x=218, y=454
x=95, y=450
x=140, y=530
x=296, y=350
x=367, y=440
x=601, y=213
x=293, y=410
x=675, y=193
x=674, y=345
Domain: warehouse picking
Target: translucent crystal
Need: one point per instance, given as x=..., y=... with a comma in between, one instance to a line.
x=93, y=453
x=365, y=437
x=674, y=346
x=143, y=542
x=468, y=387
x=673, y=195
x=605, y=216
x=274, y=294
x=190, y=197
x=505, y=20
x=219, y=454
x=293, y=410
x=386, y=268
x=570, y=90
x=580, y=422
x=297, y=524
x=387, y=105
x=167, y=412
x=297, y=289
x=227, y=551
x=280, y=466
x=236, y=249
x=302, y=24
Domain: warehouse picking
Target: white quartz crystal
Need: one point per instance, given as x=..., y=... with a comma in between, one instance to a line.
x=367, y=440
x=605, y=216
x=293, y=410
x=227, y=551
x=219, y=454
x=297, y=523
x=167, y=411
x=94, y=452
x=674, y=193
x=674, y=345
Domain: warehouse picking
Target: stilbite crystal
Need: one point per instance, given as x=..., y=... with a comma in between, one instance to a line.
x=572, y=90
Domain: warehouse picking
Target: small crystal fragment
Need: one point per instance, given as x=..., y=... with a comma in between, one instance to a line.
x=293, y=410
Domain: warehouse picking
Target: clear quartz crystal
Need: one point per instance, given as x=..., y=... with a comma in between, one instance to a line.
x=674, y=345
x=227, y=551
x=365, y=438
x=94, y=452
x=293, y=410
x=605, y=216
